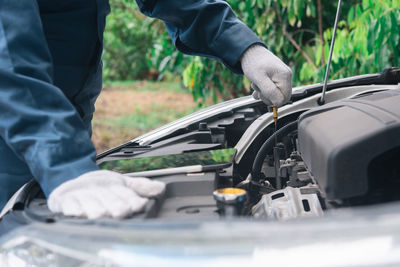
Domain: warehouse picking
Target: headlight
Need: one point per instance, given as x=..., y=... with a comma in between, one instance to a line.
x=80, y=245
x=22, y=251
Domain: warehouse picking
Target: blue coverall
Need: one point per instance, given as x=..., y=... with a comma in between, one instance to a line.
x=50, y=77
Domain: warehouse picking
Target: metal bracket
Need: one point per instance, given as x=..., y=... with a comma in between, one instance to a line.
x=289, y=203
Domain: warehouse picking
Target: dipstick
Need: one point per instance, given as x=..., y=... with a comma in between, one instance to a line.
x=276, y=149
x=275, y=116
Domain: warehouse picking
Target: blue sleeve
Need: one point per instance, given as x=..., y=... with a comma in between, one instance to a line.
x=37, y=121
x=203, y=27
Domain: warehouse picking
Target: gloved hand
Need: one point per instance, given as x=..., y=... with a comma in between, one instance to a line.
x=103, y=194
x=270, y=78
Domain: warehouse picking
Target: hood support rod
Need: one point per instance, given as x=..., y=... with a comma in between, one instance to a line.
x=322, y=99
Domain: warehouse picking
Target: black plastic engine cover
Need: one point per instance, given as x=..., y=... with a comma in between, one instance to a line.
x=337, y=141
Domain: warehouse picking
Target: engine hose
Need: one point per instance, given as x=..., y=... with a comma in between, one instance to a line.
x=268, y=145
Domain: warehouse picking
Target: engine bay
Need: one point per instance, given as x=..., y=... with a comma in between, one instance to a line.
x=342, y=154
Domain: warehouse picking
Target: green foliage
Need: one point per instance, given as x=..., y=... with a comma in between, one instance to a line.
x=126, y=40
x=298, y=31
x=137, y=47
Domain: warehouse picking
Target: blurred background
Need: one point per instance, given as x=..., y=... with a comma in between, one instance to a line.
x=148, y=83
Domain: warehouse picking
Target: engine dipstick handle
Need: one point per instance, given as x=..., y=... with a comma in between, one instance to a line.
x=275, y=114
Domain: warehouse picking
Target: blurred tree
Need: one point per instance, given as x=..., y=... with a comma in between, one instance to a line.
x=137, y=47
x=127, y=39
x=298, y=31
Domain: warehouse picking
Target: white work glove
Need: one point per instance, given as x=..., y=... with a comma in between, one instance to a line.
x=102, y=193
x=270, y=78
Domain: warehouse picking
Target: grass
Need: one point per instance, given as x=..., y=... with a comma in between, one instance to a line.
x=142, y=120
x=143, y=86
x=125, y=110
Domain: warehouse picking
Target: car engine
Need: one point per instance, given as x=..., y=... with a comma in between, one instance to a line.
x=342, y=154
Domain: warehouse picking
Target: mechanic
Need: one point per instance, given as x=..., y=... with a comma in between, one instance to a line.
x=50, y=77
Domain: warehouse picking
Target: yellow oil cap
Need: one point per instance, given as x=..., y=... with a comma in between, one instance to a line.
x=230, y=195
